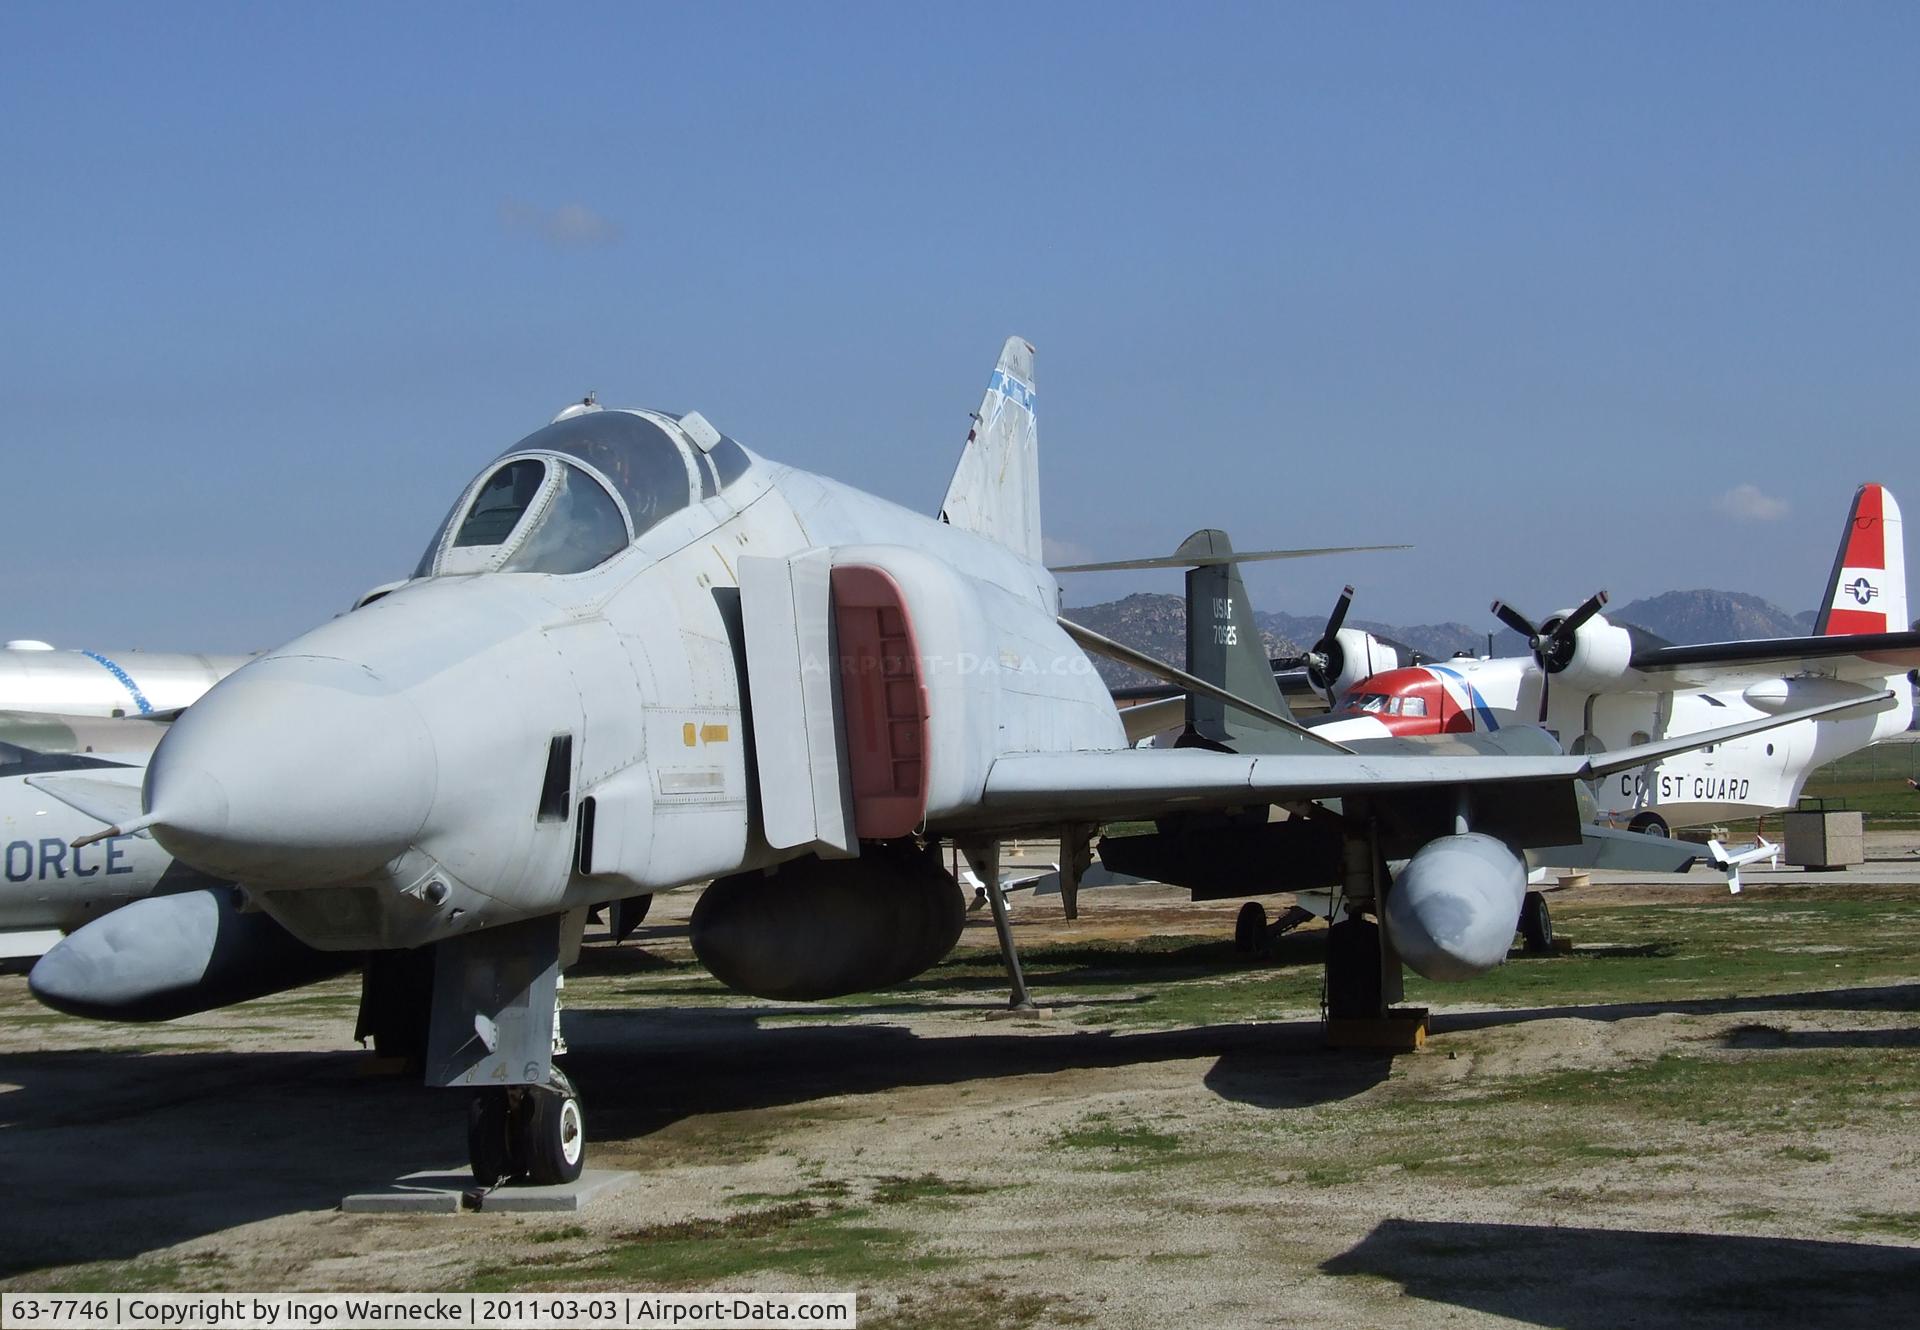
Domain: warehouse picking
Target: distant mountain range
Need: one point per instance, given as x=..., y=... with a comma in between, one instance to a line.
x=1157, y=625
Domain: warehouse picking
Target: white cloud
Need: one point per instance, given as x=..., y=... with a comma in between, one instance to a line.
x=1748, y=504
x=569, y=226
x=1057, y=551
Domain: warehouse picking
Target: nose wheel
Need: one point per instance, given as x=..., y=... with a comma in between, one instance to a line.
x=531, y=1133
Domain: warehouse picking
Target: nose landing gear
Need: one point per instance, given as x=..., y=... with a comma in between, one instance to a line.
x=535, y=1133
x=495, y=1031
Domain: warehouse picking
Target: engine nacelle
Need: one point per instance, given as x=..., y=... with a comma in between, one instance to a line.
x=1452, y=911
x=170, y=956
x=1602, y=653
x=1361, y=655
x=816, y=929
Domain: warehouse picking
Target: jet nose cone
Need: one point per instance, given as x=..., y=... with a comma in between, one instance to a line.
x=294, y=771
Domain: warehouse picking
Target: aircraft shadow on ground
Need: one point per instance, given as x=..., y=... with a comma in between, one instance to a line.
x=1599, y=1279
x=109, y=1155
x=718, y=1060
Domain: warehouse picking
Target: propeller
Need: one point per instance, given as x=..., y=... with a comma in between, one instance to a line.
x=1327, y=658
x=1552, y=642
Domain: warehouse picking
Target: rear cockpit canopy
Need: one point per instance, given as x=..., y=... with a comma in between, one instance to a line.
x=571, y=496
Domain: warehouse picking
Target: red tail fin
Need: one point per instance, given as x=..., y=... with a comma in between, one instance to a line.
x=1867, y=591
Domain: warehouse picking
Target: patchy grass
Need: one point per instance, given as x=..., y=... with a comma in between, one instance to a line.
x=1803, y=1154
x=1124, y=1147
x=799, y=1237
x=567, y=1234
x=975, y=1306
x=121, y=1277
x=1899, y=1223
x=1749, y=946
x=899, y=1190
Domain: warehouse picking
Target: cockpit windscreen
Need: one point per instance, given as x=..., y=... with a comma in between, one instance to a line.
x=647, y=466
x=580, y=528
x=497, y=507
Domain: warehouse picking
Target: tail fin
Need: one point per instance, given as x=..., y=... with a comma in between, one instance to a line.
x=1867, y=592
x=1224, y=647
x=995, y=491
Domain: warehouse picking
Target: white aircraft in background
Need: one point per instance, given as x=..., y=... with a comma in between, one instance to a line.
x=1602, y=687
x=35, y=677
x=96, y=714
x=49, y=886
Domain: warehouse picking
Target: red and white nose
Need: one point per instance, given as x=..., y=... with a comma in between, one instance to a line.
x=293, y=771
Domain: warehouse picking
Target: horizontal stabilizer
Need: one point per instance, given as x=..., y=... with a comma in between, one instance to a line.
x=1201, y=558
x=112, y=796
x=1126, y=655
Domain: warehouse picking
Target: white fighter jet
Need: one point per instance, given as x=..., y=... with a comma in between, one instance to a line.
x=638, y=655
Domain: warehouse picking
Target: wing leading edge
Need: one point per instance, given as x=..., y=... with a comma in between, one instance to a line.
x=1143, y=782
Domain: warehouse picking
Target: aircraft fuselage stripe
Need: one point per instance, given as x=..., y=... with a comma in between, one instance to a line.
x=126, y=681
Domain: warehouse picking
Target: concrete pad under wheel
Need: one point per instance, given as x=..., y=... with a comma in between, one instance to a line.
x=591, y=1185
x=1021, y=1014
x=429, y=1193
x=441, y=1193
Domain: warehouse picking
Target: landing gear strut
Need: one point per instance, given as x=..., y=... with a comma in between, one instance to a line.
x=1356, y=980
x=1363, y=977
x=495, y=1030
x=536, y=1133
x=985, y=861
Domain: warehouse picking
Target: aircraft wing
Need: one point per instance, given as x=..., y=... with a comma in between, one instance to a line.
x=1855, y=655
x=1150, y=782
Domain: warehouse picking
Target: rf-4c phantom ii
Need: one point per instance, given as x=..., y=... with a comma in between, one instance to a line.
x=1611, y=686
x=637, y=655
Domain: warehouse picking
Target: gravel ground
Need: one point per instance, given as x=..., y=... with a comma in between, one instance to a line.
x=1648, y=1130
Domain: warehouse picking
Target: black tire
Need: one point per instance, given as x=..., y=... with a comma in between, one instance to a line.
x=1649, y=824
x=487, y=1146
x=1353, y=970
x=551, y=1134
x=1536, y=924
x=1250, y=929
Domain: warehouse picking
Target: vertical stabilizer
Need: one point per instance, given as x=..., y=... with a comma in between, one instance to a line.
x=1225, y=648
x=995, y=490
x=1867, y=592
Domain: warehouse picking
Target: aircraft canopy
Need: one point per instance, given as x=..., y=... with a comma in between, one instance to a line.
x=572, y=495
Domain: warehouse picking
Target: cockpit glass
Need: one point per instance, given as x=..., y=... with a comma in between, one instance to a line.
x=580, y=528
x=1371, y=704
x=647, y=466
x=502, y=499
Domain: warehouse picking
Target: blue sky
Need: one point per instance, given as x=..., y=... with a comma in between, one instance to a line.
x=1532, y=287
